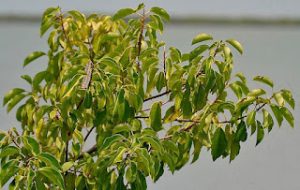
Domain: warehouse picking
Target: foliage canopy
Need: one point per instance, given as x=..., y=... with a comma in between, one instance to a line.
x=148, y=106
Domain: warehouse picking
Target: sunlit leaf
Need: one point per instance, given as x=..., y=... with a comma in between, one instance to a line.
x=260, y=133
x=53, y=175
x=155, y=116
x=201, y=37
x=123, y=13
x=264, y=79
x=236, y=45
x=161, y=12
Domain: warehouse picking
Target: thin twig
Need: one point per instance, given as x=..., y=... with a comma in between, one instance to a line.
x=157, y=96
x=88, y=134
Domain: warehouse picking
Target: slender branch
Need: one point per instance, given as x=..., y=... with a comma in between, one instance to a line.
x=187, y=120
x=141, y=117
x=188, y=128
x=88, y=134
x=161, y=104
x=63, y=28
x=244, y=116
x=67, y=151
x=157, y=96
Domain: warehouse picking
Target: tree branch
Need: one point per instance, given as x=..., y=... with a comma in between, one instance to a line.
x=88, y=134
x=157, y=96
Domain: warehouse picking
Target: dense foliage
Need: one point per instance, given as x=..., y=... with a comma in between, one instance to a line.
x=147, y=106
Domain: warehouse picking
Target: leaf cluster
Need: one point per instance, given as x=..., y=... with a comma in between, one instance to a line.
x=147, y=106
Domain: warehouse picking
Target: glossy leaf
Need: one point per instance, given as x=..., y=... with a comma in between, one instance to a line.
x=49, y=159
x=236, y=45
x=288, y=97
x=31, y=144
x=219, y=144
x=201, y=37
x=288, y=116
x=11, y=94
x=264, y=79
x=277, y=113
x=33, y=56
x=161, y=12
x=123, y=13
x=155, y=116
x=53, y=175
x=260, y=133
x=9, y=151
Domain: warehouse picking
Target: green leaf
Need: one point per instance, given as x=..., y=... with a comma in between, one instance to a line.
x=234, y=150
x=241, y=77
x=30, y=177
x=31, y=144
x=67, y=165
x=121, y=128
x=277, y=113
x=198, y=51
x=264, y=80
x=260, y=133
x=112, y=65
x=251, y=118
x=154, y=143
x=8, y=170
x=201, y=37
x=131, y=172
x=14, y=101
x=279, y=99
x=288, y=97
x=72, y=84
x=236, y=45
x=88, y=99
x=53, y=175
x=12, y=93
x=155, y=116
x=111, y=140
x=241, y=133
x=237, y=90
x=38, y=78
x=33, y=56
x=123, y=13
x=47, y=19
x=27, y=78
x=48, y=159
x=9, y=151
x=257, y=92
x=197, y=149
x=77, y=15
x=161, y=12
x=219, y=143
x=288, y=116
x=161, y=82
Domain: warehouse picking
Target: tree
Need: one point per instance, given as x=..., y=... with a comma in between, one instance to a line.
x=149, y=106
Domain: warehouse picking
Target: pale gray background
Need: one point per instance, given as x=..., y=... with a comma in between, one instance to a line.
x=269, y=50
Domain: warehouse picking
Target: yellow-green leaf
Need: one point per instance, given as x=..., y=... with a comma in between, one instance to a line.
x=201, y=37
x=264, y=79
x=53, y=175
x=155, y=116
x=123, y=13
x=237, y=45
x=160, y=12
x=33, y=56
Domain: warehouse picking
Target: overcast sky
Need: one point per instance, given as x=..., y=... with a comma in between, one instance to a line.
x=266, y=8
